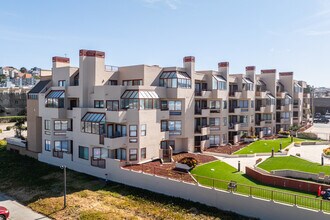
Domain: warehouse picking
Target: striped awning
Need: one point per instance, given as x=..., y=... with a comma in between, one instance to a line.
x=93, y=117
x=247, y=80
x=139, y=94
x=219, y=78
x=55, y=94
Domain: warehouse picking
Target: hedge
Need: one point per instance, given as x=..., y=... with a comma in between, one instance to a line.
x=6, y=119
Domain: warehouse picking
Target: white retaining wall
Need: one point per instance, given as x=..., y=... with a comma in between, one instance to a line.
x=223, y=200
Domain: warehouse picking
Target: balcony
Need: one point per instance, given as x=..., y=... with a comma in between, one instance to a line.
x=202, y=130
x=205, y=112
x=260, y=109
x=286, y=121
x=235, y=95
x=269, y=109
x=280, y=95
x=58, y=154
x=214, y=110
x=204, y=94
x=287, y=108
x=261, y=95
x=98, y=162
x=116, y=142
x=247, y=94
x=234, y=127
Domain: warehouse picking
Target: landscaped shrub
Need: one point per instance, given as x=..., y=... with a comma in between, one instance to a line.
x=284, y=132
x=326, y=151
x=189, y=161
x=258, y=160
x=0, y=130
x=3, y=143
x=8, y=128
x=307, y=135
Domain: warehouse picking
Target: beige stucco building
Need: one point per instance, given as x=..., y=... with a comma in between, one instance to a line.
x=94, y=112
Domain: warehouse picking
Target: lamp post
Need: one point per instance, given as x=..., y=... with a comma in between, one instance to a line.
x=239, y=166
x=64, y=173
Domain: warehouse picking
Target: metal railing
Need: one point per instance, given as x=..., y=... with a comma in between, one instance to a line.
x=263, y=193
x=111, y=68
x=98, y=162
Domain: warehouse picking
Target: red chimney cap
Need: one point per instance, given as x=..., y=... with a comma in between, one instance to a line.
x=189, y=59
x=250, y=68
x=223, y=64
x=286, y=74
x=61, y=60
x=269, y=71
x=92, y=53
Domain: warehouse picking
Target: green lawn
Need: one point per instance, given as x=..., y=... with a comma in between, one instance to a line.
x=266, y=146
x=293, y=163
x=221, y=172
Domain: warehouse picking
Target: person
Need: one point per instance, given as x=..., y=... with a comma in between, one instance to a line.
x=319, y=191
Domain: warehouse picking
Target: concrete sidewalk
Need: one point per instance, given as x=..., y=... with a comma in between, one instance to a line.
x=19, y=211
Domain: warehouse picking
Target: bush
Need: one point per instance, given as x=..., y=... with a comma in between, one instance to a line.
x=307, y=135
x=326, y=151
x=3, y=143
x=189, y=161
x=0, y=131
x=284, y=132
x=259, y=160
x=8, y=128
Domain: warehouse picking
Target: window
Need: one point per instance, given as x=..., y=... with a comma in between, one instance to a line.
x=61, y=146
x=98, y=104
x=100, y=153
x=174, y=107
x=133, y=154
x=252, y=104
x=83, y=152
x=76, y=80
x=138, y=99
x=60, y=125
x=163, y=125
x=219, y=83
x=143, y=153
x=215, y=106
x=133, y=130
x=112, y=82
x=143, y=130
x=173, y=79
x=174, y=127
x=61, y=83
x=47, y=124
x=119, y=154
x=166, y=144
x=163, y=105
x=55, y=99
x=224, y=104
x=243, y=104
x=214, y=140
x=116, y=130
x=136, y=82
x=93, y=123
x=112, y=105
x=47, y=145
x=214, y=123
x=224, y=121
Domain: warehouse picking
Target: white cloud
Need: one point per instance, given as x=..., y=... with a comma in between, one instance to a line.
x=172, y=4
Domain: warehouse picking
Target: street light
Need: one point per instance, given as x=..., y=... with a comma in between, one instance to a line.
x=64, y=173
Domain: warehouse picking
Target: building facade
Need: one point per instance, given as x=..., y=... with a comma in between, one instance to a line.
x=140, y=113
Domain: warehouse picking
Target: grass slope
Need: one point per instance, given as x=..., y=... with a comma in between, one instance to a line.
x=266, y=146
x=40, y=186
x=293, y=163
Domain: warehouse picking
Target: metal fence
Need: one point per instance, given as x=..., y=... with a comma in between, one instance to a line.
x=263, y=193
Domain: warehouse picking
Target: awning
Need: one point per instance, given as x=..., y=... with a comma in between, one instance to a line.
x=288, y=96
x=219, y=78
x=296, y=84
x=93, y=117
x=270, y=96
x=174, y=75
x=55, y=94
x=261, y=83
x=247, y=80
x=139, y=94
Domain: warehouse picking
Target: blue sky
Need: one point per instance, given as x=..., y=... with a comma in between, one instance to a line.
x=289, y=35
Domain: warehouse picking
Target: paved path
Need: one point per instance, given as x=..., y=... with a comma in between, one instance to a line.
x=10, y=133
x=310, y=152
x=245, y=161
x=18, y=211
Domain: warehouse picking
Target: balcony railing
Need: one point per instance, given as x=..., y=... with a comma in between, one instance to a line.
x=111, y=68
x=58, y=154
x=98, y=162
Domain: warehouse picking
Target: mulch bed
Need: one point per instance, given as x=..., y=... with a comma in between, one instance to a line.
x=168, y=169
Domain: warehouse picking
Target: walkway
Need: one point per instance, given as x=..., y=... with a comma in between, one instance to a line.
x=18, y=211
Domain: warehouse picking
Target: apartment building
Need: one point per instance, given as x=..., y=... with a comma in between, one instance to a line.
x=95, y=112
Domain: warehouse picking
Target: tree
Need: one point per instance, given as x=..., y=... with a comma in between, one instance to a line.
x=19, y=127
x=23, y=70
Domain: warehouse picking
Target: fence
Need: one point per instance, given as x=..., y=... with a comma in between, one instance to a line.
x=263, y=193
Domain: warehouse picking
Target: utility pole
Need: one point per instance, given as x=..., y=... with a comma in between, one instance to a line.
x=64, y=173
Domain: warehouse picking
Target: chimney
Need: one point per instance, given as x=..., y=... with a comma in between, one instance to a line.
x=60, y=62
x=223, y=69
x=250, y=72
x=189, y=65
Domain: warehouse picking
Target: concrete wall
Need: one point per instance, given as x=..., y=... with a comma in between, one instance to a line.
x=223, y=200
